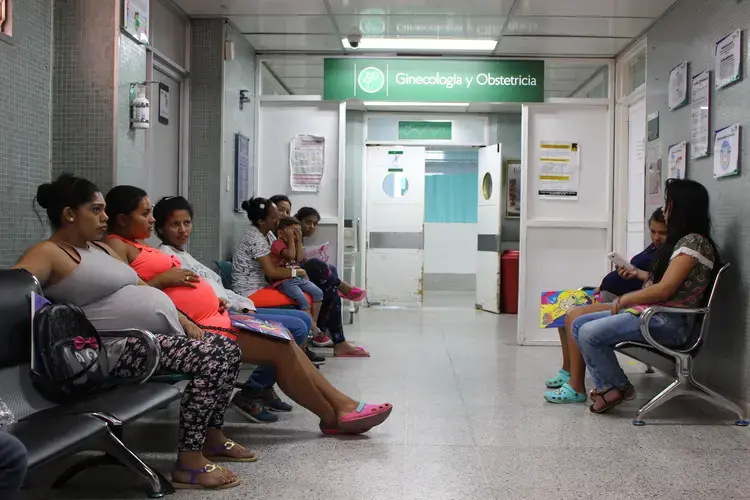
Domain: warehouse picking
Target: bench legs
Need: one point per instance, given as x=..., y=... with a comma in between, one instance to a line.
x=116, y=453
x=686, y=385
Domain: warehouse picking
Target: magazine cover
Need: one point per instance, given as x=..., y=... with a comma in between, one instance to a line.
x=37, y=302
x=254, y=324
x=555, y=304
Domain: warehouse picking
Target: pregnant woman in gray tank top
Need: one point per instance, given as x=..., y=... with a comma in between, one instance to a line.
x=73, y=268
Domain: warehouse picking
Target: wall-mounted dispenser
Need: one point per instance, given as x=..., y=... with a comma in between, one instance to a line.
x=140, y=107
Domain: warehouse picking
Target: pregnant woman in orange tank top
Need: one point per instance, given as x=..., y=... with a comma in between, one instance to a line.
x=131, y=220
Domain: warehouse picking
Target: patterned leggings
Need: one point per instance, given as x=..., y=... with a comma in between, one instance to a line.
x=214, y=364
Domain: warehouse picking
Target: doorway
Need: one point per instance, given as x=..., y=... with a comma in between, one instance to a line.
x=636, y=227
x=165, y=139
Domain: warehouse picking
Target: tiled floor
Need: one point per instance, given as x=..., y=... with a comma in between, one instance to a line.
x=469, y=424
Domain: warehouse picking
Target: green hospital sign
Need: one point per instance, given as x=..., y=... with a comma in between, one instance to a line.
x=433, y=80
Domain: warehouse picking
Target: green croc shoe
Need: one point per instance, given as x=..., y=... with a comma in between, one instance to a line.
x=558, y=380
x=564, y=395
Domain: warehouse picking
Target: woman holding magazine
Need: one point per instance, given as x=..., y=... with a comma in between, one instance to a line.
x=131, y=220
x=174, y=224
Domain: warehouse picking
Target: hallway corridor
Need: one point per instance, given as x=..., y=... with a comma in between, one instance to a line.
x=469, y=424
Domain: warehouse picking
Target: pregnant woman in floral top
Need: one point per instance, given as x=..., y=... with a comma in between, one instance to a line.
x=682, y=274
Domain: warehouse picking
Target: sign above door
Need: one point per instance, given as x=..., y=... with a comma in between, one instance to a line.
x=433, y=80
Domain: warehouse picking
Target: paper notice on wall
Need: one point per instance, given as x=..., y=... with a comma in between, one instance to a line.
x=653, y=174
x=728, y=59
x=727, y=151
x=700, y=112
x=306, y=162
x=676, y=161
x=558, y=170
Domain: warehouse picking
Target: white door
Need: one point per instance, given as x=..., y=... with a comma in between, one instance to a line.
x=165, y=142
x=395, y=224
x=489, y=220
x=636, y=230
x=565, y=211
x=165, y=139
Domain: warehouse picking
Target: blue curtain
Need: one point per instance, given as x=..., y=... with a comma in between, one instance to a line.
x=451, y=198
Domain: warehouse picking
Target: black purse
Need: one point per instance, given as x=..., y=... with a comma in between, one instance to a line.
x=70, y=360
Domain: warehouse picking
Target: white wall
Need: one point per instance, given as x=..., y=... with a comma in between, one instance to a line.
x=239, y=74
x=450, y=248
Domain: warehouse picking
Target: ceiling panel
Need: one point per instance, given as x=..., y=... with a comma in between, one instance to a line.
x=628, y=27
x=555, y=45
x=250, y=7
x=606, y=8
x=283, y=24
x=422, y=25
x=295, y=42
x=395, y=7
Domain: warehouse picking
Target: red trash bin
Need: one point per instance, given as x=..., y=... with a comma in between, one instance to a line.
x=509, y=282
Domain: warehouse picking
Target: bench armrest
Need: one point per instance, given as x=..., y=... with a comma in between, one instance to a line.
x=646, y=321
x=153, y=349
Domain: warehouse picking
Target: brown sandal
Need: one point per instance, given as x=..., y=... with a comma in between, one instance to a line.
x=628, y=393
x=602, y=404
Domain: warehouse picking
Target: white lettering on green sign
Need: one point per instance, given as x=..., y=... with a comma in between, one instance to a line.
x=450, y=81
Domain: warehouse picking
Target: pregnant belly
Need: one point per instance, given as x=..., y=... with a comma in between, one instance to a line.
x=199, y=303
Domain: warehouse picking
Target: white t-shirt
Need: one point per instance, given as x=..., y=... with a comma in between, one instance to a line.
x=189, y=262
x=247, y=273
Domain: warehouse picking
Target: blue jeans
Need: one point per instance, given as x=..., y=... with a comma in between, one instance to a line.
x=295, y=289
x=598, y=333
x=299, y=324
x=12, y=465
x=326, y=277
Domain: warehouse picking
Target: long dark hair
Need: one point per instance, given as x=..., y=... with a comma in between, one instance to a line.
x=164, y=209
x=687, y=206
x=257, y=209
x=65, y=191
x=121, y=200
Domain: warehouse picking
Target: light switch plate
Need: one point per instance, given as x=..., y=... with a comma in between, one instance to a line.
x=229, y=183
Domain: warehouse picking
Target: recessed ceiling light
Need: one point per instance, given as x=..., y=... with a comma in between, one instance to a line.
x=423, y=44
x=404, y=103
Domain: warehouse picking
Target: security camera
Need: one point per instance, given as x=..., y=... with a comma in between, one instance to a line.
x=354, y=40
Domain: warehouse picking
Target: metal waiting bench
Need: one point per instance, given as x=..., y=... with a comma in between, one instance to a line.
x=678, y=361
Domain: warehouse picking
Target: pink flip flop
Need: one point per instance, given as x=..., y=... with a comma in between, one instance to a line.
x=361, y=420
x=355, y=295
x=359, y=352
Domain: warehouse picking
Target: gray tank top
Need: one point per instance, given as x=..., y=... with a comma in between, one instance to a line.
x=108, y=292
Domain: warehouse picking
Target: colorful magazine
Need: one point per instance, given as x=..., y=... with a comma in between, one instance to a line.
x=556, y=304
x=254, y=324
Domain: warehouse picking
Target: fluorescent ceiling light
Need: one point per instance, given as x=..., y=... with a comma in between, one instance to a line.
x=384, y=104
x=436, y=44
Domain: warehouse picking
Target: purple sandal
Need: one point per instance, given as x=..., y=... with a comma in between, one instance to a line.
x=194, y=473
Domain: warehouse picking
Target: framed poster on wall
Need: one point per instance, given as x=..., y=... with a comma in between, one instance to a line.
x=241, y=170
x=135, y=15
x=512, y=189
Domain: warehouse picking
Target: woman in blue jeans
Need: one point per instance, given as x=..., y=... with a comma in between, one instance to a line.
x=173, y=223
x=682, y=272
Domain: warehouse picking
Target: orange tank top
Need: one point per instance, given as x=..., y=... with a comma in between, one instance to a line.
x=200, y=303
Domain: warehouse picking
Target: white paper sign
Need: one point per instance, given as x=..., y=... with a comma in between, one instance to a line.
x=306, y=162
x=653, y=173
x=558, y=170
x=728, y=59
x=676, y=161
x=678, y=86
x=700, y=112
x=727, y=151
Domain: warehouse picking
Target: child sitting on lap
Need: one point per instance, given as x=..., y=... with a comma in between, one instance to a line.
x=285, y=253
